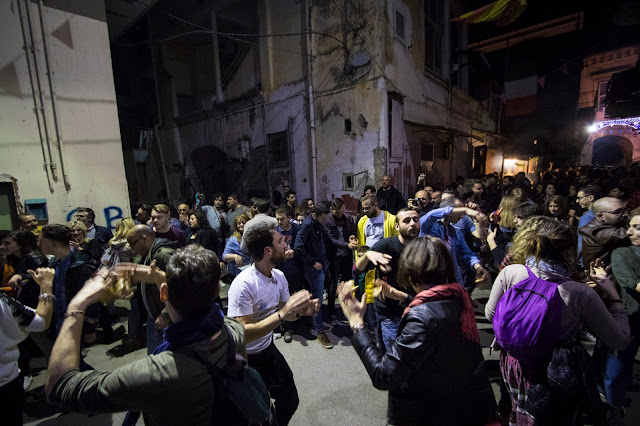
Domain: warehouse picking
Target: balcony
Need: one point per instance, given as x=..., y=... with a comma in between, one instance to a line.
x=587, y=99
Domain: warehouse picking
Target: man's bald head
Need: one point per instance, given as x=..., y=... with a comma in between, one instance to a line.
x=423, y=196
x=141, y=238
x=607, y=204
x=611, y=211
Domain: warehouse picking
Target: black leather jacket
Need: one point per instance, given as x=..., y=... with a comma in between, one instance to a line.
x=434, y=375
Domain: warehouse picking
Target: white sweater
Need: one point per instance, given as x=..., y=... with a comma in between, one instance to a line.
x=16, y=321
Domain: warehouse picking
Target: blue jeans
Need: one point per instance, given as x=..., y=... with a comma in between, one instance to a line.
x=617, y=371
x=316, y=284
x=388, y=330
x=154, y=336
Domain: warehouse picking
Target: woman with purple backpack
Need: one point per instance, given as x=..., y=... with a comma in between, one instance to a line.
x=536, y=309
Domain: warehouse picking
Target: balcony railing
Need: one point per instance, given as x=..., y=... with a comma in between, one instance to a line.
x=587, y=99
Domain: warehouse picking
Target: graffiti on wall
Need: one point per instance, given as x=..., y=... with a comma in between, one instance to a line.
x=111, y=215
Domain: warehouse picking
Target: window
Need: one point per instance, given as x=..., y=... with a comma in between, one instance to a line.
x=433, y=35
x=348, y=182
x=426, y=151
x=38, y=208
x=400, y=26
x=602, y=93
x=278, y=149
x=347, y=126
x=400, y=17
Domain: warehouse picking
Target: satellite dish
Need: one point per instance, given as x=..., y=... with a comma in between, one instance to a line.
x=360, y=59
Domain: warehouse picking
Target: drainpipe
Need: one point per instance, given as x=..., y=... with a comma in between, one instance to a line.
x=54, y=110
x=45, y=165
x=312, y=121
x=52, y=164
x=156, y=127
x=164, y=169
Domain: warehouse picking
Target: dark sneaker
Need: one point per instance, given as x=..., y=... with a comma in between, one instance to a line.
x=129, y=344
x=323, y=339
x=287, y=336
x=334, y=321
x=615, y=416
x=34, y=395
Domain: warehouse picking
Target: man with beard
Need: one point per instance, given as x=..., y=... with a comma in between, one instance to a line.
x=389, y=198
x=606, y=231
x=259, y=299
x=386, y=254
x=375, y=224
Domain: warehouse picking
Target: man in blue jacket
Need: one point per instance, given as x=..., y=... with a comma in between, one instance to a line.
x=438, y=223
x=314, y=248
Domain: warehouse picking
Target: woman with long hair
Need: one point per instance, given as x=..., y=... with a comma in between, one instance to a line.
x=233, y=254
x=549, y=191
x=434, y=370
x=546, y=248
x=22, y=253
x=79, y=240
x=117, y=249
x=201, y=232
x=556, y=208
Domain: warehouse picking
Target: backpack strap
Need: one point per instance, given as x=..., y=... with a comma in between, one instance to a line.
x=530, y=272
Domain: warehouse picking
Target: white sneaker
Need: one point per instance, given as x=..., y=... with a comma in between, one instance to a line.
x=26, y=384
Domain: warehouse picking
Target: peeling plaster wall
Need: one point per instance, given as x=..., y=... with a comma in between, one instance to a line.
x=80, y=55
x=394, y=67
x=341, y=152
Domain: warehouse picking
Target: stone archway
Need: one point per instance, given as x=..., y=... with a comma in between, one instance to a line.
x=612, y=150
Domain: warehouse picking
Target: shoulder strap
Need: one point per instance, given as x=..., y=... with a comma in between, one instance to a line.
x=530, y=272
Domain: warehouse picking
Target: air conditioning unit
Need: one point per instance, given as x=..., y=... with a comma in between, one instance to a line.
x=240, y=150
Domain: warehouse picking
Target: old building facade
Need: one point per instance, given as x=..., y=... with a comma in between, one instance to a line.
x=324, y=97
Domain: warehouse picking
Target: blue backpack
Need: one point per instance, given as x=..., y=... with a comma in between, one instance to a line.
x=527, y=319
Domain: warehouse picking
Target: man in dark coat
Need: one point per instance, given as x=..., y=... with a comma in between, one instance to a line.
x=73, y=267
x=342, y=231
x=144, y=242
x=606, y=231
x=389, y=198
x=314, y=249
x=100, y=233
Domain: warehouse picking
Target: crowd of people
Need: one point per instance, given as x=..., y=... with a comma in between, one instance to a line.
x=559, y=250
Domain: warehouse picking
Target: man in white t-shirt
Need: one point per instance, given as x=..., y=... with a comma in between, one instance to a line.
x=259, y=299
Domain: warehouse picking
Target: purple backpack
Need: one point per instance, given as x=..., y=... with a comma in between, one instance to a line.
x=527, y=319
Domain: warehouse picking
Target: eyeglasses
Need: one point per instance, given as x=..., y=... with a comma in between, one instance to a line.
x=618, y=212
x=132, y=244
x=584, y=196
x=81, y=216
